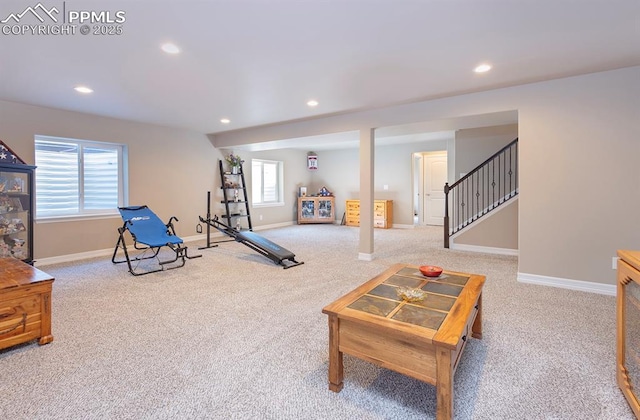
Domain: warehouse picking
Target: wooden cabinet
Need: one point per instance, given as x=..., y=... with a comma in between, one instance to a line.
x=382, y=213
x=628, y=327
x=25, y=303
x=316, y=210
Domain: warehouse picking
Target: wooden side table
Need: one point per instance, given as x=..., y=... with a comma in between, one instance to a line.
x=25, y=303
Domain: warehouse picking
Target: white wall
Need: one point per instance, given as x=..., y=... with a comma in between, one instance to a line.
x=339, y=172
x=579, y=189
x=497, y=230
x=579, y=183
x=475, y=145
x=579, y=186
x=170, y=170
x=295, y=176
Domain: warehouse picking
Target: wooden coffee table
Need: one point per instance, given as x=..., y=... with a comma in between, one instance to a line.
x=25, y=303
x=422, y=339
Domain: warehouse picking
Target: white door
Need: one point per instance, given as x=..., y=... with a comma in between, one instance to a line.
x=435, y=176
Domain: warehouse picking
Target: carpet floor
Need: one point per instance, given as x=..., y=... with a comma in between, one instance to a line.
x=233, y=336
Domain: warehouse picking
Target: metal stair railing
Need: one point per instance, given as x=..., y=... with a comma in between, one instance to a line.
x=488, y=186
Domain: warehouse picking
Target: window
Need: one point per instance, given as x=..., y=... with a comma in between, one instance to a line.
x=266, y=182
x=78, y=177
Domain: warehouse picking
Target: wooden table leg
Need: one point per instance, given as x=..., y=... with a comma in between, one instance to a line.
x=476, y=328
x=45, y=320
x=444, y=384
x=336, y=369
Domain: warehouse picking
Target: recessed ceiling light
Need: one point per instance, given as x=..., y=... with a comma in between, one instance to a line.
x=225, y=121
x=312, y=103
x=170, y=48
x=482, y=68
x=83, y=89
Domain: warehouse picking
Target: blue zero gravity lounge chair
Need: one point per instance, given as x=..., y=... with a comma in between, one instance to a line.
x=149, y=235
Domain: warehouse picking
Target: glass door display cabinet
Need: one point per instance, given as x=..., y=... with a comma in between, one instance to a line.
x=16, y=206
x=628, y=327
x=316, y=209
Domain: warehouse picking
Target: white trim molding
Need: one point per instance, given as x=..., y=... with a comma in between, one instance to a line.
x=104, y=252
x=73, y=257
x=402, y=226
x=273, y=226
x=365, y=257
x=109, y=252
x=579, y=285
x=485, y=249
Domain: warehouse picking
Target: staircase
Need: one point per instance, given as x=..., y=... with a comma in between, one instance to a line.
x=490, y=185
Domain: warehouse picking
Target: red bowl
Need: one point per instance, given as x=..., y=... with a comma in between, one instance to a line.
x=430, y=270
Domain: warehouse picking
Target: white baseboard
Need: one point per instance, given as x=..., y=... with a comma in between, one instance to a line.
x=485, y=249
x=393, y=226
x=401, y=226
x=103, y=252
x=365, y=257
x=109, y=252
x=73, y=257
x=274, y=225
x=579, y=285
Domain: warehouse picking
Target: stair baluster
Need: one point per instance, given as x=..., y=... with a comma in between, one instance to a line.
x=488, y=186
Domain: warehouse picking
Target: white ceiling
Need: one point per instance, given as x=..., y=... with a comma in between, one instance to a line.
x=258, y=62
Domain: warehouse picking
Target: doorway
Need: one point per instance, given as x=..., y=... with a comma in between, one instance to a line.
x=429, y=175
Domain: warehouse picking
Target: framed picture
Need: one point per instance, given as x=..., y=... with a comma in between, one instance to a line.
x=302, y=192
x=312, y=161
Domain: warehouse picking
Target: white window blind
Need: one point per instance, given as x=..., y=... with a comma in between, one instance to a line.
x=78, y=177
x=266, y=182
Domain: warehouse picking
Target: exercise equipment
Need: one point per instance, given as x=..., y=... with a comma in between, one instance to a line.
x=149, y=234
x=207, y=221
x=261, y=245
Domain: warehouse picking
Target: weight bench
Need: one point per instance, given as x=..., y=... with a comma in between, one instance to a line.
x=261, y=245
x=149, y=234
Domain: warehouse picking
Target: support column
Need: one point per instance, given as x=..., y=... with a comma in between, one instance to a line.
x=367, y=149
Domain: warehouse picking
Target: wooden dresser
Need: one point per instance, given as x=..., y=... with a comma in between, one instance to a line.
x=25, y=303
x=382, y=213
x=628, y=331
